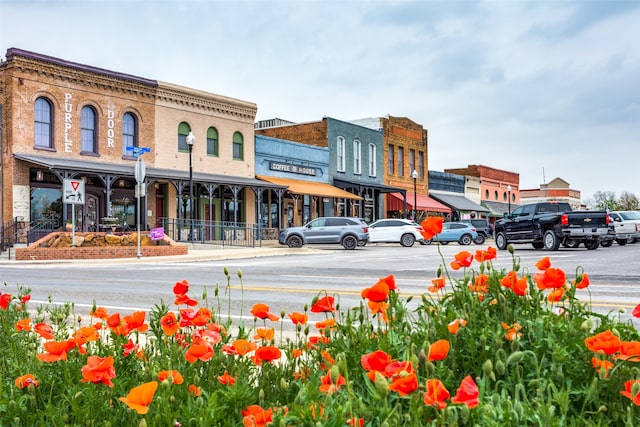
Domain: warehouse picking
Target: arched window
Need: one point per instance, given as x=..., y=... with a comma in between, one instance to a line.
x=212, y=142
x=340, y=154
x=183, y=131
x=88, y=130
x=504, y=196
x=238, y=146
x=486, y=194
x=43, y=123
x=129, y=134
x=372, y=160
x=357, y=157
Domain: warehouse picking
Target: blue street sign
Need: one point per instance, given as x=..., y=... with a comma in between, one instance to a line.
x=137, y=151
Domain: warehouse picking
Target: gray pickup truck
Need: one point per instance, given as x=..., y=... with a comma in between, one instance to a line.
x=547, y=225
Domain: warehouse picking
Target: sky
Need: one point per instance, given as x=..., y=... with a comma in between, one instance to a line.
x=545, y=89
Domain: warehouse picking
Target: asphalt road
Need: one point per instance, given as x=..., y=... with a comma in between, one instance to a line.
x=287, y=283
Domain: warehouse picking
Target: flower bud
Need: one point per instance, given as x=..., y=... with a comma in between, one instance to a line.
x=226, y=271
x=239, y=273
x=283, y=385
x=500, y=367
x=487, y=367
x=464, y=414
x=511, y=249
x=382, y=387
x=515, y=357
x=261, y=396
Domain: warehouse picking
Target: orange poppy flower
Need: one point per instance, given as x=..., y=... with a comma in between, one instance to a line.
x=26, y=380
x=376, y=293
x=173, y=375
x=298, y=318
x=404, y=384
x=140, y=397
x=55, y=351
x=439, y=350
x=297, y=352
x=265, y=334
x=467, y=393
x=100, y=313
x=326, y=356
x=629, y=351
x=328, y=323
x=600, y=364
x=551, y=278
x=512, y=331
x=261, y=311
x=313, y=341
x=181, y=288
x=375, y=361
x=431, y=226
x=194, y=390
x=462, y=259
x=581, y=281
x=199, y=350
x=169, y=323
x=255, y=416
x=605, y=342
x=184, y=299
x=243, y=347
x=437, y=284
x=266, y=354
x=454, y=325
x=23, y=324
x=131, y=347
x=135, y=321
x=226, y=379
x=83, y=335
x=555, y=295
x=390, y=280
x=628, y=391
x=436, y=394
x=44, y=331
x=487, y=255
x=328, y=386
x=323, y=305
x=99, y=370
x=544, y=263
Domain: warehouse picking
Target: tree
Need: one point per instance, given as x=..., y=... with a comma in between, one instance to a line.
x=628, y=202
x=604, y=200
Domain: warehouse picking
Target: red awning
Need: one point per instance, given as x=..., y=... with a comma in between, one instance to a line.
x=395, y=202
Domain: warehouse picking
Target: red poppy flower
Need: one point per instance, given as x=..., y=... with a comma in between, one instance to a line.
x=173, y=375
x=5, y=299
x=467, y=393
x=323, y=305
x=551, y=278
x=226, y=379
x=298, y=318
x=266, y=354
x=134, y=321
x=184, y=299
x=100, y=313
x=605, y=342
x=255, y=416
x=462, y=259
x=25, y=299
x=544, y=263
x=26, y=380
x=437, y=284
x=199, y=350
x=181, y=288
x=358, y=422
x=487, y=255
x=431, y=226
x=390, y=280
x=140, y=397
x=44, y=331
x=404, y=384
x=99, y=370
x=397, y=368
x=436, y=394
x=636, y=311
x=628, y=391
x=439, y=350
x=376, y=293
x=131, y=347
x=375, y=361
x=169, y=323
x=194, y=390
x=328, y=386
x=261, y=311
x=581, y=281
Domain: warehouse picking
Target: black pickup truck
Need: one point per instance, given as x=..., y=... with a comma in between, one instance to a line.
x=547, y=225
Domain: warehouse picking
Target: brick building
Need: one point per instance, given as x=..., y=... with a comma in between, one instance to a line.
x=557, y=190
x=62, y=120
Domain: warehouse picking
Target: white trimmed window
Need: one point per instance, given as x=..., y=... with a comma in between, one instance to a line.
x=357, y=157
x=340, y=155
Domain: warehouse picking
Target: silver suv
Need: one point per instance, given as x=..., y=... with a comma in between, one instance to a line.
x=349, y=232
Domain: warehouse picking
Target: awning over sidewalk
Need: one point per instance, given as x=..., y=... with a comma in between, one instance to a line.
x=423, y=202
x=458, y=202
x=312, y=188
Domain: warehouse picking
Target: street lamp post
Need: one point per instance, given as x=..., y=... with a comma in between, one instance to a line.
x=509, y=196
x=414, y=175
x=190, y=141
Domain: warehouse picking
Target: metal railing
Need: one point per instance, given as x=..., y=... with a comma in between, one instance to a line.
x=220, y=232
x=40, y=228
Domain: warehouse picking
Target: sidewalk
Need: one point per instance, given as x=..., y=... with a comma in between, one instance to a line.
x=197, y=252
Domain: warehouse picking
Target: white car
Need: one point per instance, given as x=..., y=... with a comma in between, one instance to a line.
x=395, y=230
x=627, y=226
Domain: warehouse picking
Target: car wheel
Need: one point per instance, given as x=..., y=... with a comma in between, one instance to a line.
x=606, y=243
x=479, y=240
x=551, y=242
x=407, y=240
x=294, y=242
x=362, y=242
x=426, y=242
x=591, y=244
x=465, y=240
x=349, y=242
x=501, y=241
x=621, y=242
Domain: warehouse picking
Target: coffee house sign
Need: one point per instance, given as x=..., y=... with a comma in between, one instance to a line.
x=291, y=168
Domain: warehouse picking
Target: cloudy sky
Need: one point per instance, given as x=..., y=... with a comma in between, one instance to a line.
x=542, y=88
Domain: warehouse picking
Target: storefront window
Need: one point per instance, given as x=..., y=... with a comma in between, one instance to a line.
x=46, y=204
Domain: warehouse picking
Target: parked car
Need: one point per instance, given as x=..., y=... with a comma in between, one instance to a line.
x=349, y=232
x=403, y=231
x=459, y=232
x=482, y=226
x=627, y=227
